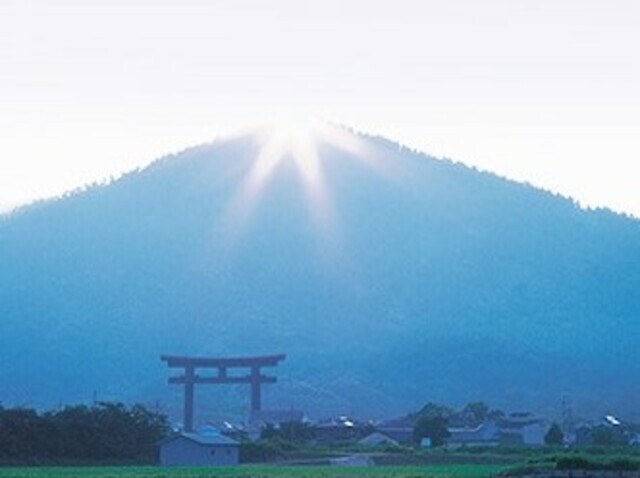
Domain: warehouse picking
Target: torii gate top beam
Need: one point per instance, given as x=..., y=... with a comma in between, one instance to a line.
x=262, y=361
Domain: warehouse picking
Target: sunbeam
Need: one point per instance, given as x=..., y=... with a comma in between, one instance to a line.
x=296, y=141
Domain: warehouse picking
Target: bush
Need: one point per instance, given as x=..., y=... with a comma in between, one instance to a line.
x=262, y=451
x=582, y=463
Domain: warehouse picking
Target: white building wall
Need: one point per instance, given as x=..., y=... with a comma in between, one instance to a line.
x=534, y=434
x=184, y=452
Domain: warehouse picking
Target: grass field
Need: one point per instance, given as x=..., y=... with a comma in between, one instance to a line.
x=438, y=471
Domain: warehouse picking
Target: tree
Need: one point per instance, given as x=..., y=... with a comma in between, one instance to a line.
x=434, y=410
x=431, y=421
x=477, y=411
x=554, y=436
x=289, y=434
x=496, y=415
x=433, y=427
x=603, y=436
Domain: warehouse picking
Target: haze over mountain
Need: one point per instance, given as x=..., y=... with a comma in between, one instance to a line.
x=389, y=278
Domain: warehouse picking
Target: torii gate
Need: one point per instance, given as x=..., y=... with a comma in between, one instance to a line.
x=190, y=378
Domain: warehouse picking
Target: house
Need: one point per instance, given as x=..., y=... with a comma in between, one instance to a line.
x=236, y=431
x=402, y=434
x=199, y=449
x=341, y=431
x=399, y=429
x=377, y=439
x=610, y=431
x=518, y=420
x=523, y=428
x=262, y=418
x=531, y=434
x=485, y=434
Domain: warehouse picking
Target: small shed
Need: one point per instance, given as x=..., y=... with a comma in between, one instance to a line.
x=196, y=449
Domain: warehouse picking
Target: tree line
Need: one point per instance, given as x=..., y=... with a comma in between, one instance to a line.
x=100, y=433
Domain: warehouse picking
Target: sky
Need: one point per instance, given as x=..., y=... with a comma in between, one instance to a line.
x=542, y=91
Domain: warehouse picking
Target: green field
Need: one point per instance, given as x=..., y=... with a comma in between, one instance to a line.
x=438, y=471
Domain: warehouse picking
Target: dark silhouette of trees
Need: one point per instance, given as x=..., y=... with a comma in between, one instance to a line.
x=101, y=433
x=291, y=432
x=478, y=412
x=554, y=436
x=604, y=436
x=434, y=428
x=432, y=422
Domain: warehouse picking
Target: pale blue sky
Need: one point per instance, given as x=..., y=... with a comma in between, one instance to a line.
x=545, y=91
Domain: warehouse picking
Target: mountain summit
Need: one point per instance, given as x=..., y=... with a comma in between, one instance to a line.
x=388, y=277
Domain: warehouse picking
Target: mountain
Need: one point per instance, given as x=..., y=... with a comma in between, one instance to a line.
x=389, y=278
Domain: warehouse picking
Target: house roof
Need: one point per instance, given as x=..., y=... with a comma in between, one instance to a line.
x=399, y=434
x=485, y=432
x=377, y=438
x=205, y=439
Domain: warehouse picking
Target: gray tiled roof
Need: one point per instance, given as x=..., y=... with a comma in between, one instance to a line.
x=209, y=438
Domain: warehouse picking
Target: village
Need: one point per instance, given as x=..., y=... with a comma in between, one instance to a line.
x=288, y=436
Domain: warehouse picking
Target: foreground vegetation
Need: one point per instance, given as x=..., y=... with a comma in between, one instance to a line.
x=414, y=465
x=442, y=471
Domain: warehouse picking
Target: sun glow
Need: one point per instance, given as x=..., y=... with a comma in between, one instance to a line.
x=294, y=142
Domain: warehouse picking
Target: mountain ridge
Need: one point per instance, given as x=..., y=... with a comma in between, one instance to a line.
x=106, y=182
x=430, y=268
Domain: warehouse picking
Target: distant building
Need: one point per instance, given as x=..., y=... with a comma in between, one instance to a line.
x=523, y=429
x=236, y=431
x=519, y=419
x=377, y=439
x=609, y=431
x=199, y=449
x=426, y=443
x=341, y=431
x=485, y=434
x=400, y=429
x=262, y=418
x=529, y=435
